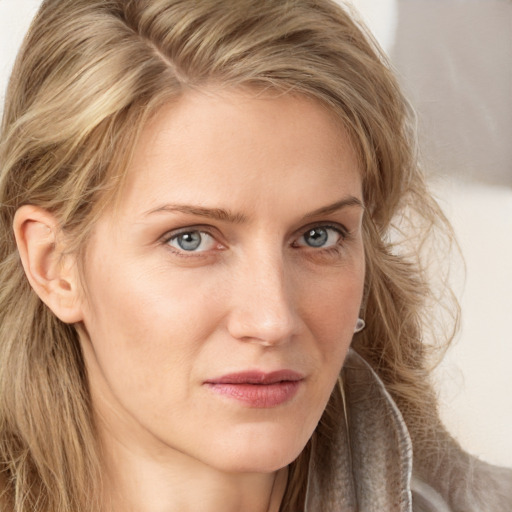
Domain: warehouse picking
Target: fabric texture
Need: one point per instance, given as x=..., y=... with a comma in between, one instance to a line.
x=368, y=465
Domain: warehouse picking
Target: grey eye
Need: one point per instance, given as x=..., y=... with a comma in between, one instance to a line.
x=316, y=237
x=320, y=237
x=192, y=241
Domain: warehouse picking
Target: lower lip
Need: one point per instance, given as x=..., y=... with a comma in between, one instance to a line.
x=259, y=395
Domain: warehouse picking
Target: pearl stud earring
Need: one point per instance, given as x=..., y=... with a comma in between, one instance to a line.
x=360, y=325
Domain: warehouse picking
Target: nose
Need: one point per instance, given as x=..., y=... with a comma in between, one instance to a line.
x=263, y=302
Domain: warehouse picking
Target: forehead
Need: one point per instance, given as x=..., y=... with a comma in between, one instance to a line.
x=227, y=145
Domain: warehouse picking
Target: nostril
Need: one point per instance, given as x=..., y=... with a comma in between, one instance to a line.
x=261, y=329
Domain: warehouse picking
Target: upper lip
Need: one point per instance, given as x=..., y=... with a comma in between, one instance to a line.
x=257, y=377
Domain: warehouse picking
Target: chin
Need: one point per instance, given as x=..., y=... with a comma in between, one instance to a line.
x=263, y=462
x=260, y=450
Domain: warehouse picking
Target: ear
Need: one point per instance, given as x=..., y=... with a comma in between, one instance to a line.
x=52, y=274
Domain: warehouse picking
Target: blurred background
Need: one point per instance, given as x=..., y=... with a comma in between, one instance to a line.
x=454, y=60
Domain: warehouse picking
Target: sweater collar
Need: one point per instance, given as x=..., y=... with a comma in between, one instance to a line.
x=366, y=464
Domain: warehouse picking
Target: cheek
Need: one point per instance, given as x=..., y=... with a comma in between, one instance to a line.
x=147, y=305
x=331, y=307
x=144, y=332
x=330, y=313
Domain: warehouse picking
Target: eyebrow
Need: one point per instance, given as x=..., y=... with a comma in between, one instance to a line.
x=332, y=208
x=223, y=215
x=219, y=214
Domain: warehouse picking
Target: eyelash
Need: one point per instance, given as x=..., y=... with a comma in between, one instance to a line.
x=186, y=254
x=332, y=250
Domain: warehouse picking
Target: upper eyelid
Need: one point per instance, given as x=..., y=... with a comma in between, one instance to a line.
x=332, y=225
x=171, y=235
x=168, y=235
x=341, y=230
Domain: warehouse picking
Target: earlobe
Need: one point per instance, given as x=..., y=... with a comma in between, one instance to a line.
x=52, y=276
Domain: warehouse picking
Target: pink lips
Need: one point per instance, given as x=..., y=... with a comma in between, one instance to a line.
x=258, y=389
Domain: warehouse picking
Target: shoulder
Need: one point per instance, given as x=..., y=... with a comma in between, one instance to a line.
x=441, y=478
x=472, y=487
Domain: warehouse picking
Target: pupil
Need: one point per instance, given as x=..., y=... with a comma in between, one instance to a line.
x=317, y=237
x=189, y=241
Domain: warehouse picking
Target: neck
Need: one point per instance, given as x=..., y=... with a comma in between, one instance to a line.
x=139, y=482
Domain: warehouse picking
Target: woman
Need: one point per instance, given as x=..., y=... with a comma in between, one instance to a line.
x=198, y=204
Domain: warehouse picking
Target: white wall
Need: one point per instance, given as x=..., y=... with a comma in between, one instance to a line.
x=15, y=16
x=454, y=58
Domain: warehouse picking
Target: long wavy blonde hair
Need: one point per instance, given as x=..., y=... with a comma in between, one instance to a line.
x=88, y=77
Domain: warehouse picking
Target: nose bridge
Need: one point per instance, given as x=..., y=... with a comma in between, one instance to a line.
x=263, y=304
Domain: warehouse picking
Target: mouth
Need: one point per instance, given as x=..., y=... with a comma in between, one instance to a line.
x=258, y=389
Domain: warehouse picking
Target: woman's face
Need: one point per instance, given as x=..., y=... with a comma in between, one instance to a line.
x=222, y=292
